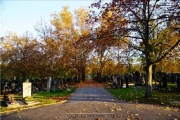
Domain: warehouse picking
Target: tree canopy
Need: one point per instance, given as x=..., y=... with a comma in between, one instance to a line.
x=103, y=39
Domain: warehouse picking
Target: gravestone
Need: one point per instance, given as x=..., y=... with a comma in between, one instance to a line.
x=164, y=79
x=26, y=89
x=49, y=83
x=54, y=84
x=13, y=85
x=127, y=80
x=119, y=78
x=137, y=78
x=173, y=78
x=8, y=96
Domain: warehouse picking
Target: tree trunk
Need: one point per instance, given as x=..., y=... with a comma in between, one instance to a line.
x=99, y=75
x=83, y=74
x=148, y=81
x=79, y=76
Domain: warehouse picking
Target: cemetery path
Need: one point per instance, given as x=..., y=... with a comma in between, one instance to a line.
x=92, y=102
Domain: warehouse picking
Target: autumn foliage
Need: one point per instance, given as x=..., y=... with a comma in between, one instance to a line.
x=105, y=39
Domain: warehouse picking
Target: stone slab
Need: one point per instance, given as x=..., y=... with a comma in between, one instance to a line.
x=26, y=89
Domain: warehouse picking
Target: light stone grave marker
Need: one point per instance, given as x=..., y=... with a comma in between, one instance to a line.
x=49, y=83
x=26, y=89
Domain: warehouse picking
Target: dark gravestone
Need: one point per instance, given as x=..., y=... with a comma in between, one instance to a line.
x=2, y=87
x=137, y=77
x=119, y=80
x=131, y=78
x=173, y=78
x=134, y=77
x=115, y=80
x=160, y=81
x=122, y=82
x=54, y=84
x=127, y=81
x=164, y=80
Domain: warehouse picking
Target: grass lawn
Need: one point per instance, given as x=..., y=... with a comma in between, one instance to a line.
x=52, y=97
x=158, y=96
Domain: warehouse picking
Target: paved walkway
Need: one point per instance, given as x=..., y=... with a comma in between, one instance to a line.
x=95, y=103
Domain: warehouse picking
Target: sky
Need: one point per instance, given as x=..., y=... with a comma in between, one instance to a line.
x=19, y=16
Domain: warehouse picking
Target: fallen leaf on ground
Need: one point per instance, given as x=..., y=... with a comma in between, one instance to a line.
x=118, y=109
x=167, y=108
x=111, y=110
x=175, y=109
x=128, y=118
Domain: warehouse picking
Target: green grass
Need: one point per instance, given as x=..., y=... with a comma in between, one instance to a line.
x=158, y=97
x=129, y=94
x=52, y=97
x=172, y=85
x=54, y=94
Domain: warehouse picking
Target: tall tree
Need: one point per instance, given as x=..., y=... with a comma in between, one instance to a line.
x=69, y=30
x=142, y=18
x=18, y=55
x=81, y=46
x=102, y=38
x=49, y=48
